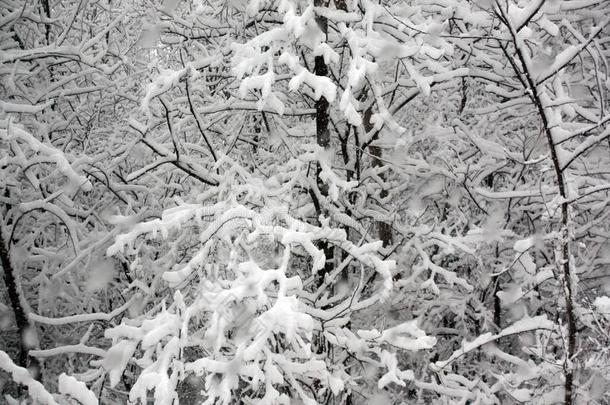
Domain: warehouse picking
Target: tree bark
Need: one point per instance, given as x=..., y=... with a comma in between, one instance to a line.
x=563, y=261
x=322, y=136
x=23, y=325
x=47, y=27
x=384, y=229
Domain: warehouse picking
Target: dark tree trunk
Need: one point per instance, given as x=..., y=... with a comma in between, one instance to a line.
x=322, y=137
x=21, y=319
x=47, y=13
x=384, y=229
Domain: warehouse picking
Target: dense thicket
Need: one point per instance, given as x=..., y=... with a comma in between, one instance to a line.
x=274, y=202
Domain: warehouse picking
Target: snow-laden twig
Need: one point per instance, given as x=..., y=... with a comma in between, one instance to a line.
x=523, y=325
x=99, y=316
x=68, y=349
x=22, y=376
x=78, y=390
x=13, y=131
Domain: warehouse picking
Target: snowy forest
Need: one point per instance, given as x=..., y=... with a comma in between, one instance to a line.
x=304, y=202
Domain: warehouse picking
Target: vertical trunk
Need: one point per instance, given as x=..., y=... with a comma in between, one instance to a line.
x=569, y=299
x=564, y=249
x=320, y=69
x=21, y=319
x=322, y=133
x=384, y=229
x=542, y=104
x=47, y=13
x=323, y=140
x=495, y=282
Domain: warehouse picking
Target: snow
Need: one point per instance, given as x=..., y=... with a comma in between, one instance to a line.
x=173, y=219
x=284, y=316
x=522, y=395
x=394, y=374
x=151, y=34
x=262, y=82
x=407, y=336
x=510, y=295
x=30, y=338
x=78, y=390
x=527, y=324
x=6, y=107
x=296, y=24
x=590, y=141
x=137, y=125
x=88, y=317
x=336, y=383
x=116, y=360
x=5, y=317
x=101, y=274
x=233, y=295
x=170, y=5
x=22, y=376
x=523, y=245
x=520, y=15
x=329, y=54
x=548, y=26
x=423, y=83
x=562, y=59
x=316, y=153
x=52, y=154
x=321, y=85
x=337, y=15
x=166, y=79
x=380, y=398
x=602, y=305
x=68, y=349
x=60, y=213
x=176, y=277
x=348, y=106
x=523, y=325
x=563, y=156
x=526, y=262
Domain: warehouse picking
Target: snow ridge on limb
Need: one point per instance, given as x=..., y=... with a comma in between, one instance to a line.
x=523, y=325
x=78, y=390
x=10, y=131
x=22, y=376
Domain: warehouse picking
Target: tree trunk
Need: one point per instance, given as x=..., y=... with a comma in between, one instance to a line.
x=23, y=325
x=322, y=136
x=384, y=229
x=536, y=93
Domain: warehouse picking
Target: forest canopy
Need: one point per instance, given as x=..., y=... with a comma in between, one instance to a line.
x=305, y=202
